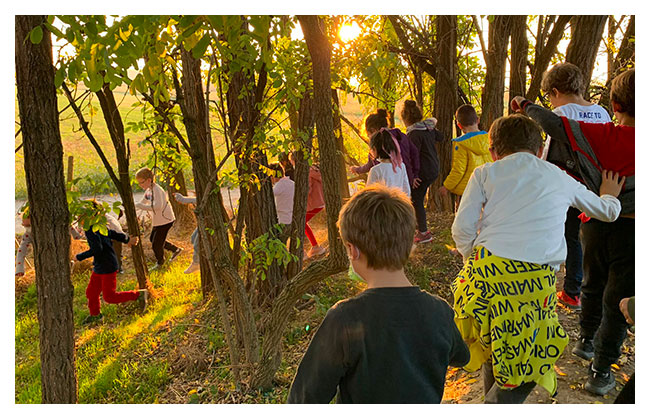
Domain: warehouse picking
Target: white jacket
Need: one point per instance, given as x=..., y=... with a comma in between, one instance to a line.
x=155, y=201
x=516, y=208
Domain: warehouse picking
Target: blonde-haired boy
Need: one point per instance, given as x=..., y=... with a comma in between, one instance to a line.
x=393, y=342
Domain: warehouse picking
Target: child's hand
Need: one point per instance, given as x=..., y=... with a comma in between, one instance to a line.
x=178, y=196
x=623, y=306
x=354, y=169
x=515, y=103
x=133, y=241
x=610, y=184
x=416, y=182
x=442, y=190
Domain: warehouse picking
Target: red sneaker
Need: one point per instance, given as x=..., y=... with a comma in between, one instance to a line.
x=422, y=237
x=566, y=300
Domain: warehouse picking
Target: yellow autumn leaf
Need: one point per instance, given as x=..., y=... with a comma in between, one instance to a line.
x=559, y=371
x=192, y=391
x=616, y=367
x=473, y=380
x=196, y=321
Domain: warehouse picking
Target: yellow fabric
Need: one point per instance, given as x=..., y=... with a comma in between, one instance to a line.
x=506, y=309
x=466, y=155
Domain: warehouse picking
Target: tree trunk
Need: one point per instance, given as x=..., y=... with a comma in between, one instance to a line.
x=340, y=148
x=116, y=131
x=313, y=28
x=444, y=105
x=624, y=59
x=37, y=104
x=586, y=35
x=209, y=212
x=495, y=73
x=547, y=52
x=518, y=58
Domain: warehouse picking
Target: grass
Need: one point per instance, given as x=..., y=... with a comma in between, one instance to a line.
x=87, y=162
x=175, y=352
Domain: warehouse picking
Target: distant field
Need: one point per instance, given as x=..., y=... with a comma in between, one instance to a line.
x=87, y=162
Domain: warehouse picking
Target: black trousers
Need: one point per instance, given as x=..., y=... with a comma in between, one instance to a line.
x=608, y=278
x=573, y=278
x=159, y=243
x=417, y=198
x=495, y=395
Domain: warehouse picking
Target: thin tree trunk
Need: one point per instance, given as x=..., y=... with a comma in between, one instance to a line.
x=444, y=105
x=116, y=132
x=548, y=50
x=586, y=35
x=340, y=148
x=518, y=58
x=37, y=104
x=495, y=73
x=624, y=59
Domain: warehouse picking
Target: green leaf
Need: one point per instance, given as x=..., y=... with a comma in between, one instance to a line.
x=59, y=76
x=201, y=46
x=36, y=35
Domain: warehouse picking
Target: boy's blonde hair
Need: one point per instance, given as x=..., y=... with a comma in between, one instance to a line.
x=513, y=133
x=380, y=221
x=565, y=77
x=144, y=173
x=623, y=91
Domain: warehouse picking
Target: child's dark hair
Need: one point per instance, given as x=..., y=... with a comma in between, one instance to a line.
x=513, y=133
x=565, y=77
x=411, y=113
x=466, y=115
x=277, y=168
x=376, y=121
x=382, y=142
x=623, y=91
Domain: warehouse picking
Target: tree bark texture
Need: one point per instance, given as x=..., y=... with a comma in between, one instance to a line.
x=495, y=73
x=116, y=131
x=518, y=57
x=586, y=35
x=313, y=28
x=444, y=105
x=624, y=59
x=209, y=210
x=340, y=148
x=37, y=104
x=546, y=48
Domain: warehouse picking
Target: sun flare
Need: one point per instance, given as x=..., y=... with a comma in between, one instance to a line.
x=349, y=31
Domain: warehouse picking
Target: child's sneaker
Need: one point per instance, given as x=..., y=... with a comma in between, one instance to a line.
x=192, y=268
x=175, y=254
x=584, y=349
x=143, y=299
x=316, y=251
x=599, y=382
x=566, y=300
x=92, y=319
x=421, y=238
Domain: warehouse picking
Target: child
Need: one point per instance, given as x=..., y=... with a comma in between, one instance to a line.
x=194, y=238
x=390, y=171
x=155, y=201
x=393, y=342
x=103, y=278
x=469, y=151
x=509, y=229
x=565, y=88
x=283, y=190
x=583, y=149
x=407, y=150
x=25, y=244
x=287, y=165
x=424, y=135
x=315, y=204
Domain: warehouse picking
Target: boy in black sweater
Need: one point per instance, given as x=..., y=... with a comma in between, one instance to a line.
x=103, y=279
x=393, y=342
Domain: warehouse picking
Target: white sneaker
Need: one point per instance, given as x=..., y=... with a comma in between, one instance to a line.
x=192, y=268
x=316, y=251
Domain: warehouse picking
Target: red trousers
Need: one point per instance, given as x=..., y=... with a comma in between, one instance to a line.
x=104, y=284
x=308, y=232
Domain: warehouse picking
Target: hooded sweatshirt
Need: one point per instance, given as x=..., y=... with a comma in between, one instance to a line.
x=469, y=151
x=424, y=135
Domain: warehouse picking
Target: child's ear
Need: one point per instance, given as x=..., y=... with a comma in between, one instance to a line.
x=616, y=107
x=540, y=151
